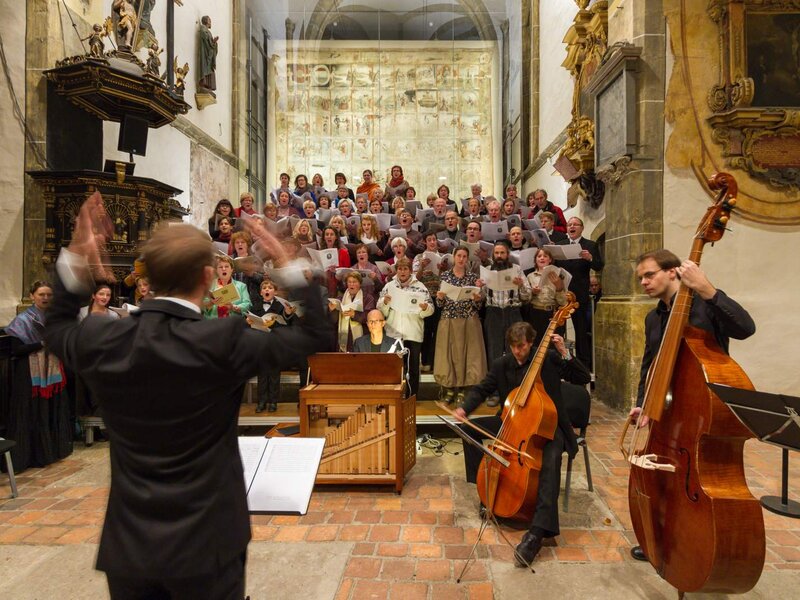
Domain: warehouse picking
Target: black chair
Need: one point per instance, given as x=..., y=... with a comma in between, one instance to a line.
x=5, y=448
x=578, y=403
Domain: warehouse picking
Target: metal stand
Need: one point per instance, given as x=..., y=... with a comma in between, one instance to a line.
x=781, y=504
x=488, y=517
x=774, y=419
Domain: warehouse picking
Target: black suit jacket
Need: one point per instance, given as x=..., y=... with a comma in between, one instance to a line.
x=363, y=344
x=169, y=384
x=506, y=373
x=580, y=269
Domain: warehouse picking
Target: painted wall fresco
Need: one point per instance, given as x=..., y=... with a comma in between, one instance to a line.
x=431, y=111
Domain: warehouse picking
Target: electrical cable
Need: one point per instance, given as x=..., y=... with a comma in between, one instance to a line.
x=437, y=446
x=17, y=110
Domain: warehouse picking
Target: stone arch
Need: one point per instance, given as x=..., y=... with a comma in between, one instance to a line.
x=326, y=12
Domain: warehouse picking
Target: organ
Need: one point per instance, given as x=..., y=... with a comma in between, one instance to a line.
x=355, y=401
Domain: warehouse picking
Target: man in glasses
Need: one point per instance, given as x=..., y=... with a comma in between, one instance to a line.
x=376, y=340
x=661, y=273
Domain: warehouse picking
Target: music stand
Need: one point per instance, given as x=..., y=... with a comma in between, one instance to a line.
x=774, y=419
x=488, y=516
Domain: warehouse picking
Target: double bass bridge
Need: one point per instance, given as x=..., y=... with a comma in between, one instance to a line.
x=649, y=462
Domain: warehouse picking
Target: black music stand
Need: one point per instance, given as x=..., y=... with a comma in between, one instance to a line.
x=488, y=516
x=774, y=419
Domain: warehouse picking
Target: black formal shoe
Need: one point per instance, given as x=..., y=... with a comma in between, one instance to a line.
x=527, y=549
x=638, y=554
x=260, y=408
x=273, y=406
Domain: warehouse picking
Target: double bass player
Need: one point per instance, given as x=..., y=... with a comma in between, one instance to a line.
x=505, y=374
x=661, y=273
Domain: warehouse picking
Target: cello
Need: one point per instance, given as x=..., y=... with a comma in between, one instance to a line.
x=691, y=509
x=530, y=420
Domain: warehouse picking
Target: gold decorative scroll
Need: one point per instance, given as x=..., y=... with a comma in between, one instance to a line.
x=587, y=42
x=725, y=112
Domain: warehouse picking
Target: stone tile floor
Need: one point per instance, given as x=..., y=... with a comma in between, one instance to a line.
x=357, y=543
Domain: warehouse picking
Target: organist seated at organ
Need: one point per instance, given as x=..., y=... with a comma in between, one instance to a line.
x=376, y=340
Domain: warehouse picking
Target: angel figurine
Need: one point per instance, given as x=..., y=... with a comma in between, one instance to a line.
x=180, y=76
x=96, y=45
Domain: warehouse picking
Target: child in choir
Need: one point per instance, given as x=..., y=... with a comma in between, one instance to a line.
x=269, y=376
x=219, y=309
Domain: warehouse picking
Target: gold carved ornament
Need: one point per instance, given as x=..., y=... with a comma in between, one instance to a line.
x=587, y=44
x=763, y=141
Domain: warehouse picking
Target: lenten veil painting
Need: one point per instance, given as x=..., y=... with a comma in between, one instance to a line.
x=347, y=108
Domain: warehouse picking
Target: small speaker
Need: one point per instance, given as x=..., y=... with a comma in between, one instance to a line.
x=133, y=135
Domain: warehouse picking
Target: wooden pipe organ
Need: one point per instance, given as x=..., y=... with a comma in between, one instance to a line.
x=355, y=401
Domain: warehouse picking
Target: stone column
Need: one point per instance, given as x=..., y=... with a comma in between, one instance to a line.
x=633, y=207
x=43, y=28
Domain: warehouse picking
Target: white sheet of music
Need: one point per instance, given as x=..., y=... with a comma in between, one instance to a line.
x=280, y=472
x=564, y=251
x=251, y=449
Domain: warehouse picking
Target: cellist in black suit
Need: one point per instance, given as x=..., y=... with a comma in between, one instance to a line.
x=170, y=384
x=505, y=374
x=580, y=268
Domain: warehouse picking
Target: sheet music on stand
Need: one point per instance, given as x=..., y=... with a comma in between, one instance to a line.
x=279, y=473
x=774, y=419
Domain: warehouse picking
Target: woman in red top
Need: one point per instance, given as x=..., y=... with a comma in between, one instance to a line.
x=397, y=184
x=330, y=240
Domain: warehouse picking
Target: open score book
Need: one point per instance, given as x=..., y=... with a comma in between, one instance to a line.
x=279, y=473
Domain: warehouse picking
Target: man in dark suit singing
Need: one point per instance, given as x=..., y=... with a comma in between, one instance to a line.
x=580, y=268
x=169, y=384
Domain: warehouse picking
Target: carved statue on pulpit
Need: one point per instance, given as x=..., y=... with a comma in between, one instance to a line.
x=127, y=22
x=95, y=39
x=153, y=65
x=120, y=230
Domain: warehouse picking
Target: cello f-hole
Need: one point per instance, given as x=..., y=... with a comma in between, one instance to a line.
x=519, y=453
x=692, y=496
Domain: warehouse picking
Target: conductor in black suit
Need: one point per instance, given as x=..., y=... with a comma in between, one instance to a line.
x=580, y=269
x=170, y=384
x=376, y=340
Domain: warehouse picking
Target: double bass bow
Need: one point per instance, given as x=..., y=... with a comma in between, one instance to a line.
x=691, y=509
x=530, y=420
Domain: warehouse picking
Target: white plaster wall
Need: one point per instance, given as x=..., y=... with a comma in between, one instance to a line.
x=12, y=154
x=167, y=158
x=555, y=97
x=555, y=82
x=514, y=15
x=753, y=264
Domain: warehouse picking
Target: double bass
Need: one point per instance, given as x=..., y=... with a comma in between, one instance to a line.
x=530, y=420
x=692, y=511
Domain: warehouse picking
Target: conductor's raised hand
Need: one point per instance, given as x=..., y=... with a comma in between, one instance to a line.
x=271, y=243
x=92, y=230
